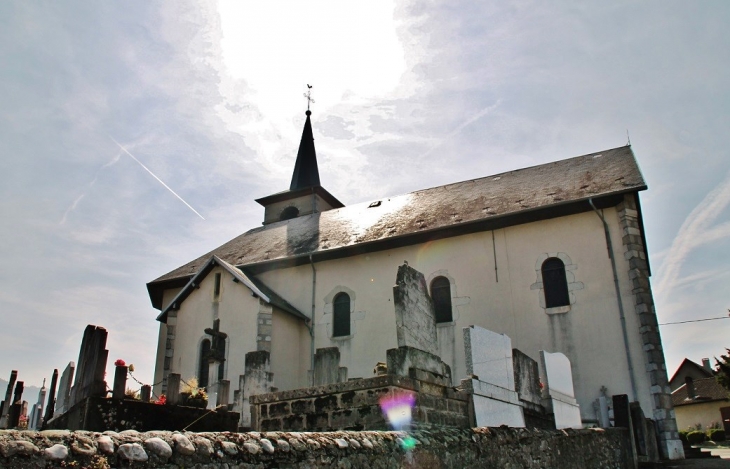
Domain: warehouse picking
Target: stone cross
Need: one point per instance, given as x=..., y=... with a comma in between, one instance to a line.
x=217, y=343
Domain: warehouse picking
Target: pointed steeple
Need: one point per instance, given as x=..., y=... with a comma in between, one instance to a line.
x=306, y=173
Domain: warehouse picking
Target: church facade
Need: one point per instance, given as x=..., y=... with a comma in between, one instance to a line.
x=553, y=256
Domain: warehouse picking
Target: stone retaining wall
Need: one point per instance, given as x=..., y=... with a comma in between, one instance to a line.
x=354, y=405
x=432, y=448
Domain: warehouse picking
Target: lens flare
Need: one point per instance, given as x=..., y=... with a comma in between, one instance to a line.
x=397, y=409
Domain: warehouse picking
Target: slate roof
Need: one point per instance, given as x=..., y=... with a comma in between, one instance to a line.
x=513, y=197
x=706, y=390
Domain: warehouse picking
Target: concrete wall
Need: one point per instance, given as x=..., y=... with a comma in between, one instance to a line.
x=507, y=301
x=433, y=448
x=704, y=413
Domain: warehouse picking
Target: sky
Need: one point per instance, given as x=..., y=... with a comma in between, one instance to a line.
x=135, y=136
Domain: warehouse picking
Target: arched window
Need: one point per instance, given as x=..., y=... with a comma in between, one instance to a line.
x=341, y=325
x=554, y=283
x=289, y=213
x=441, y=295
x=204, y=368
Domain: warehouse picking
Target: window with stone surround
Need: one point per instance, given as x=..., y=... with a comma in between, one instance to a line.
x=556, y=282
x=555, y=285
x=441, y=295
x=341, y=313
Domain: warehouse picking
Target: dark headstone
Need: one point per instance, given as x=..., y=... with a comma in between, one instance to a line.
x=91, y=366
x=621, y=411
x=5, y=409
x=51, y=408
x=120, y=381
x=16, y=407
x=173, y=388
x=145, y=393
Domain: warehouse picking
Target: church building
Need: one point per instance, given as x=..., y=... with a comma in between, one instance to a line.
x=554, y=256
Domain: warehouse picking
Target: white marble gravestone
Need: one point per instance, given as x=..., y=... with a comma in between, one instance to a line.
x=558, y=393
x=492, y=384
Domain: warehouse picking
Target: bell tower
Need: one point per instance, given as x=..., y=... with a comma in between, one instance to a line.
x=305, y=195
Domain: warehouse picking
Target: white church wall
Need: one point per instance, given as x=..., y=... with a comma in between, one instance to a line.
x=589, y=333
x=289, y=351
x=237, y=310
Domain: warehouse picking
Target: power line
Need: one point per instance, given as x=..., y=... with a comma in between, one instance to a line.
x=694, y=320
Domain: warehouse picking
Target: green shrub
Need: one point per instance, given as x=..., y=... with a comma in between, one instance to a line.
x=716, y=434
x=683, y=435
x=695, y=437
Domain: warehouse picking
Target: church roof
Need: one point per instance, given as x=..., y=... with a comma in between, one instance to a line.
x=515, y=197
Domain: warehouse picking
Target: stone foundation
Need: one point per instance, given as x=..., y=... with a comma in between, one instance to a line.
x=432, y=448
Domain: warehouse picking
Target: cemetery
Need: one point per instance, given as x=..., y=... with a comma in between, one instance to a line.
x=512, y=409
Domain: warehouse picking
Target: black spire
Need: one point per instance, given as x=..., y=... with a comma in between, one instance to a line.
x=306, y=173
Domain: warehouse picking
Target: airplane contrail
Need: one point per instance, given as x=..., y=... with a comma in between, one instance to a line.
x=154, y=176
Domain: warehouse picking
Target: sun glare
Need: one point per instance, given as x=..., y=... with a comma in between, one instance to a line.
x=342, y=48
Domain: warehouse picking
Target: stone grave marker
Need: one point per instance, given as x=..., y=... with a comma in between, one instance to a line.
x=492, y=385
x=257, y=379
x=5, y=411
x=91, y=366
x=50, y=408
x=216, y=356
x=64, y=390
x=415, y=317
x=327, y=369
x=558, y=394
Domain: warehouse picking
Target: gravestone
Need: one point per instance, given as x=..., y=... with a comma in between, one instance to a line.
x=224, y=388
x=327, y=369
x=558, y=394
x=213, y=382
x=16, y=407
x=5, y=411
x=415, y=317
x=50, y=408
x=491, y=382
x=120, y=381
x=64, y=390
x=36, y=415
x=417, y=355
x=257, y=379
x=173, y=388
x=91, y=366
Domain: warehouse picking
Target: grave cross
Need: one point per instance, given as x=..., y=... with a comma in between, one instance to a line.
x=217, y=343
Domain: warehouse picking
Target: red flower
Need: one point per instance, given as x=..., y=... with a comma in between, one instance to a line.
x=162, y=400
x=119, y=362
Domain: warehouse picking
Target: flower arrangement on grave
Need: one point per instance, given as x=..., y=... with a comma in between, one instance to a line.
x=162, y=400
x=119, y=362
x=131, y=394
x=192, y=395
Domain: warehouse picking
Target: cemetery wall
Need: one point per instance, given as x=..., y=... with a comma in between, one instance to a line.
x=432, y=448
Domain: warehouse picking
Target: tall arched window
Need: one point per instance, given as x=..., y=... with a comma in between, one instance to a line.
x=204, y=368
x=341, y=306
x=441, y=295
x=554, y=283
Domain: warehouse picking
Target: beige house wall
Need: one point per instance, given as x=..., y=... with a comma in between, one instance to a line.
x=507, y=300
x=705, y=414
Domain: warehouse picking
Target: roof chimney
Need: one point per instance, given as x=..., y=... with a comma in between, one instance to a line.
x=706, y=364
x=689, y=382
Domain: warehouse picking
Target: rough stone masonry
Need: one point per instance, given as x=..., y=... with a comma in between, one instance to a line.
x=432, y=448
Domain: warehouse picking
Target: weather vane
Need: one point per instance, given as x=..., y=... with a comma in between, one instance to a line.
x=308, y=95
